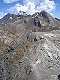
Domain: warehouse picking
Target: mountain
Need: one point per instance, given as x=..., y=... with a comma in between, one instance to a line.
x=29, y=47
x=43, y=20
x=46, y=18
x=9, y=18
x=57, y=19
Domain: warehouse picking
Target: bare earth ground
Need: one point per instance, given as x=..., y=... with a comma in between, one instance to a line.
x=35, y=56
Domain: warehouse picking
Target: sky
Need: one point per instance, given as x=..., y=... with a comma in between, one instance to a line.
x=30, y=7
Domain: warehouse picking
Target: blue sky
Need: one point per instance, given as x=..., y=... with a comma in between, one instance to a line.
x=30, y=6
x=57, y=10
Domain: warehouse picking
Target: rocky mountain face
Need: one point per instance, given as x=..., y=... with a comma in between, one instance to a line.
x=42, y=20
x=9, y=18
x=57, y=19
x=29, y=47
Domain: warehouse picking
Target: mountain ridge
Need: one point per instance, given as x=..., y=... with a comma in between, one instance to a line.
x=30, y=47
x=9, y=15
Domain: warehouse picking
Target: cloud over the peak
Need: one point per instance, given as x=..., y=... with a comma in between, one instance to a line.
x=38, y=5
x=32, y=6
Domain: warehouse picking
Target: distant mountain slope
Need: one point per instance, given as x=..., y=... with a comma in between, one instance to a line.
x=42, y=20
x=29, y=47
x=9, y=18
x=57, y=19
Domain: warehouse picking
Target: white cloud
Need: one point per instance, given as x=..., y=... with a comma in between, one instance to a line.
x=32, y=6
x=9, y=1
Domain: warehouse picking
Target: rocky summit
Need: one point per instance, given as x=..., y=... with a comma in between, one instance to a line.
x=29, y=47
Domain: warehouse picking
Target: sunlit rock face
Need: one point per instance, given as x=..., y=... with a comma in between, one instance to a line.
x=34, y=56
x=30, y=48
x=39, y=19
